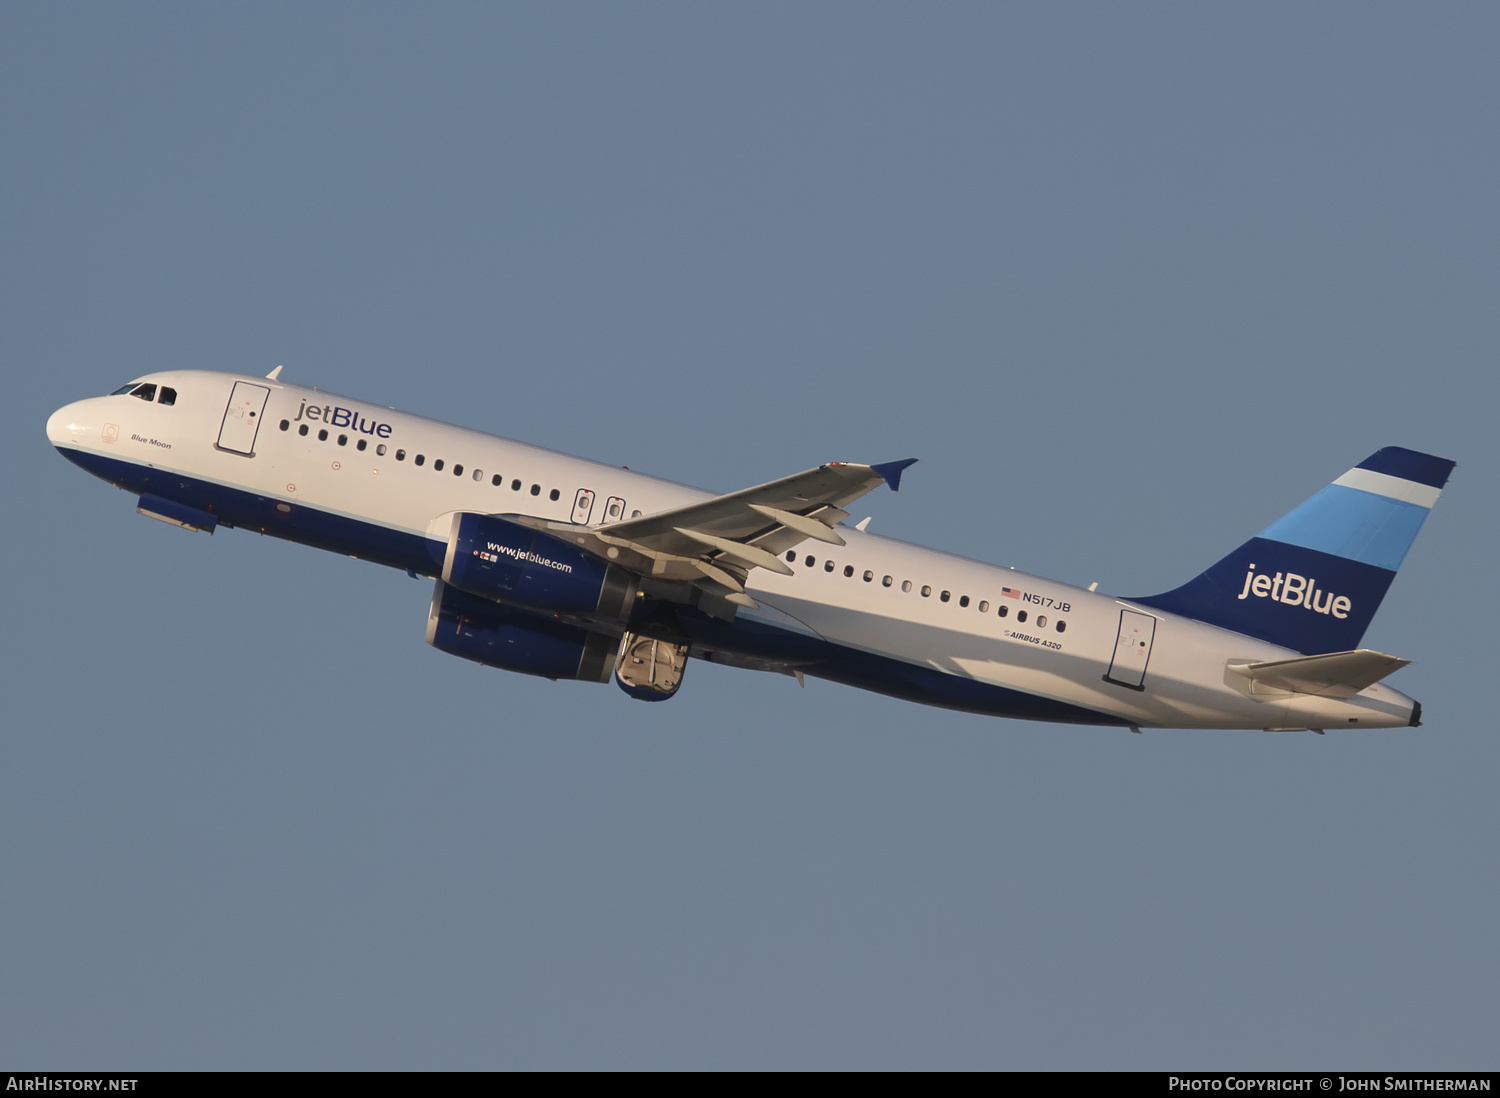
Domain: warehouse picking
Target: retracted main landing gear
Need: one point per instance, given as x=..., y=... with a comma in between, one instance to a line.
x=650, y=669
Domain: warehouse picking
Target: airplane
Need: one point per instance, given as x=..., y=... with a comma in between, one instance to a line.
x=556, y=566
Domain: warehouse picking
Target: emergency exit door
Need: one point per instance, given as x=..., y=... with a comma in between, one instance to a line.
x=242, y=418
x=1132, y=650
x=583, y=506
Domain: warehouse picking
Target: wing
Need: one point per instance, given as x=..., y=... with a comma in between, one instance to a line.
x=714, y=545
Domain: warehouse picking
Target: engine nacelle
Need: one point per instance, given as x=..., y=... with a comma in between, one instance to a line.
x=495, y=558
x=516, y=640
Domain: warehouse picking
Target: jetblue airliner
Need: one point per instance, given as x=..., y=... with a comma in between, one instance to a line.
x=555, y=566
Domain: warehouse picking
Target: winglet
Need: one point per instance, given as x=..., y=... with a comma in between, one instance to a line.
x=890, y=472
x=274, y=374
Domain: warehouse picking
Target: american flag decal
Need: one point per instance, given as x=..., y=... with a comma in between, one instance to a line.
x=1010, y=592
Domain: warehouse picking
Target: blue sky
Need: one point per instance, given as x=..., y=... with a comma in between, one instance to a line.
x=1130, y=280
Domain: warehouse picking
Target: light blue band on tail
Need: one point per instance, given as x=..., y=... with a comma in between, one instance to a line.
x=1347, y=522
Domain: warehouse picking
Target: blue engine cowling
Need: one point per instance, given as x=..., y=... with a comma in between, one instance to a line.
x=516, y=640
x=495, y=558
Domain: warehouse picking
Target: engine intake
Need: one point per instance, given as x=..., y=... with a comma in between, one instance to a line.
x=495, y=558
x=516, y=640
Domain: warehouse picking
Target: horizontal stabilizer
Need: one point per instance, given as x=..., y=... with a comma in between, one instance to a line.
x=1332, y=675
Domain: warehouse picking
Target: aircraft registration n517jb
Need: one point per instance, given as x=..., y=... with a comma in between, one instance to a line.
x=555, y=566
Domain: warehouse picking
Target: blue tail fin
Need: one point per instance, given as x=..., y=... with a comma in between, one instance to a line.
x=1313, y=579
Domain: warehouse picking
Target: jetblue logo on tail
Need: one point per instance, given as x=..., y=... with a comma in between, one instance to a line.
x=1353, y=535
x=1295, y=590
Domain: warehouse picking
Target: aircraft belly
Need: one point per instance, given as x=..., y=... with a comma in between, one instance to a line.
x=1014, y=666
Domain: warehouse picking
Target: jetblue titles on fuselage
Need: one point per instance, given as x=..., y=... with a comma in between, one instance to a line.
x=533, y=574
x=338, y=416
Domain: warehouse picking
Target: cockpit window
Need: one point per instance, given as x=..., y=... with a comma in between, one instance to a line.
x=146, y=390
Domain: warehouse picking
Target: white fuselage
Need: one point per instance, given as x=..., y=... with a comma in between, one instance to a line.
x=874, y=596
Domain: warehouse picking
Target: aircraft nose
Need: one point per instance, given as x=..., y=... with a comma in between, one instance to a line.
x=66, y=425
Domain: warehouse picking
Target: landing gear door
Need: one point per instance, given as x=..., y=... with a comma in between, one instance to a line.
x=1132, y=650
x=242, y=418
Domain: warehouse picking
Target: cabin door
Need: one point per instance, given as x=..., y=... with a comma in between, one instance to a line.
x=1132, y=650
x=242, y=418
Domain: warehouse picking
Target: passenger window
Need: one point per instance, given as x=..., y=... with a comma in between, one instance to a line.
x=1041, y=621
x=343, y=440
x=984, y=607
x=146, y=393
x=1062, y=626
x=945, y=596
x=828, y=566
x=497, y=480
x=458, y=470
x=926, y=591
x=869, y=576
x=1003, y=611
x=1020, y=615
x=361, y=444
x=963, y=600
x=515, y=486
x=400, y=455
x=553, y=494
x=322, y=434
x=286, y=425
x=437, y=464
x=380, y=450
x=791, y=555
x=478, y=475
x=168, y=396
x=886, y=582
x=810, y=561
x=419, y=459
x=302, y=430
x=848, y=570
x=635, y=514
x=906, y=586
x=536, y=489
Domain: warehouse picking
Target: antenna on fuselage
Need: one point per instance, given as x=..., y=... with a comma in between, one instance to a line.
x=274, y=374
